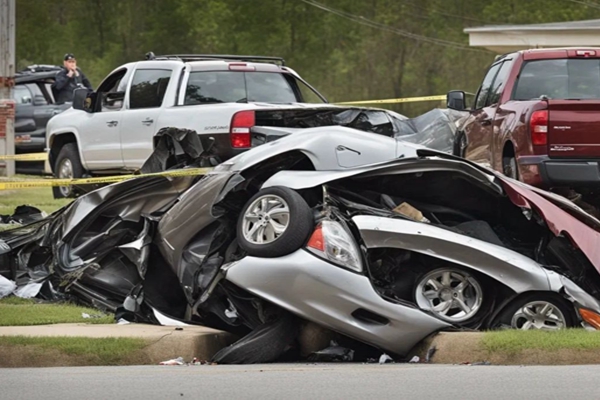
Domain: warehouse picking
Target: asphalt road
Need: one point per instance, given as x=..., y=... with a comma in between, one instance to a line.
x=298, y=381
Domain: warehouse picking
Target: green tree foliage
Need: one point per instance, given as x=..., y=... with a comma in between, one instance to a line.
x=349, y=50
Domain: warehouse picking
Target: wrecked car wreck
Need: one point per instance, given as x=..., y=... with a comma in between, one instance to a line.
x=379, y=240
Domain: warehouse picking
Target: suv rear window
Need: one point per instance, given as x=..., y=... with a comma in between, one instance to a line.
x=208, y=87
x=563, y=79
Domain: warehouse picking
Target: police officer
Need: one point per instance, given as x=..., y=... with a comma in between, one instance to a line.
x=69, y=79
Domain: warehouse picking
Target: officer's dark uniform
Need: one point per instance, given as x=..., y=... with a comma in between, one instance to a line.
x=63, y=86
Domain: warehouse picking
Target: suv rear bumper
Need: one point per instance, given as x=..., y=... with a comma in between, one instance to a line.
x=551, y=172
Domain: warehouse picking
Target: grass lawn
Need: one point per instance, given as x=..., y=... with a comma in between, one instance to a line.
x=39, y=197
x=15, y=311
x=514, y=341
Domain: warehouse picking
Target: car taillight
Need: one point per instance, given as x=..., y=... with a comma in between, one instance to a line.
x=538, y=126
x=239, y=132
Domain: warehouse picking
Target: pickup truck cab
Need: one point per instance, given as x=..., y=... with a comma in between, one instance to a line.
x=536, y=118
x=111, y=130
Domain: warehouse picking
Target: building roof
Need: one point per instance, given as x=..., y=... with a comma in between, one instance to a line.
x=591, y=24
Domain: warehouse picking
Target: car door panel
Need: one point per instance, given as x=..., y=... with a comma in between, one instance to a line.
x=99, y=138
x=144, y=100
x=483, y=131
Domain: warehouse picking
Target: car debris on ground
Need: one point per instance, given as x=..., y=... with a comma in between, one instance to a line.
x=382, y=241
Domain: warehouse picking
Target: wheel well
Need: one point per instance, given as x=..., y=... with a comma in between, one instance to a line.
x=57, y=143
x=509, y=150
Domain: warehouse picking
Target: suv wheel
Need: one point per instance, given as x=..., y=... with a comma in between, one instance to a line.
x=67, y=166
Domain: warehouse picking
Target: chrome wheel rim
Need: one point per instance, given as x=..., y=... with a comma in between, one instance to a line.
x=65, y=171
x=540, y=315
x=266, y=219
x=452, y=295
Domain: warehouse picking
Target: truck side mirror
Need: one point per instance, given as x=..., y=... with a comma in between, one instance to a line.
x=83, y=99
x=455, y=99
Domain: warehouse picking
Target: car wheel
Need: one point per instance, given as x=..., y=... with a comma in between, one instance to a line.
x=274, y=222
x=537, y=311
x=510, y=167
x=451, y=294
x=67, y=166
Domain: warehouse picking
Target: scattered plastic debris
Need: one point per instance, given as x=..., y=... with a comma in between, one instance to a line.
x=384, y=359
x=332, y=353
x=167, y=321
x=6, y=286
x=430, y=354
x=91, y=316
x=29, y=290
x=476, y=363
x=123, y=322
x=415, y=359
x=175, y=361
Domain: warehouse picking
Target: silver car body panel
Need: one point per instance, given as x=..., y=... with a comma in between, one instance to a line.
x=328, y=148
x=516, y=271
x=572, y=291
x=326, y=294
x=307, y=179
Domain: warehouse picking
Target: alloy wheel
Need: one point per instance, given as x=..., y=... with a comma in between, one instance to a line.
x=452, y=295
x=266, y=219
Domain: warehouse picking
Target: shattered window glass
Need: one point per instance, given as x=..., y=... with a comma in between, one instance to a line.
x=564, y=79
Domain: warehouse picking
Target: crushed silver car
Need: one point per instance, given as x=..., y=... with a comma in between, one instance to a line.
x=379, y=240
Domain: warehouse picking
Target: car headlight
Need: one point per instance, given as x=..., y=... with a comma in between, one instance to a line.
x=333, y=242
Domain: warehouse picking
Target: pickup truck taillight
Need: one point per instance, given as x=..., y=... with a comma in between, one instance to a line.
x=538, y=126
x=239, y=131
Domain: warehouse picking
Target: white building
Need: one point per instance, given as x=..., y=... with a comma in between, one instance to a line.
x=503, y=39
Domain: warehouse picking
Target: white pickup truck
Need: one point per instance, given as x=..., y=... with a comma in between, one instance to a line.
x=112, y=131
x=225, y=99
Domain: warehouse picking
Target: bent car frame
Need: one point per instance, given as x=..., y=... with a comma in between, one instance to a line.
x=381, y=241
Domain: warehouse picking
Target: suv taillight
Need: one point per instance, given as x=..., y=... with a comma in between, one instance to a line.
x=239, y=131
x=538, y=126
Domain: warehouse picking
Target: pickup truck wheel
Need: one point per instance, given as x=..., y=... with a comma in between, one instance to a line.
x=68, y=166
x=510, y=167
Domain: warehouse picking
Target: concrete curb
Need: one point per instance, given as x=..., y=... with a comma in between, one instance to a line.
x=164, y=342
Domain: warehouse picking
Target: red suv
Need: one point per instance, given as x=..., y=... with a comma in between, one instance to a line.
x=536, y=117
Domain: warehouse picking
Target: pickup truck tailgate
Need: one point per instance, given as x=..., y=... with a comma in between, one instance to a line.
x=574, y=128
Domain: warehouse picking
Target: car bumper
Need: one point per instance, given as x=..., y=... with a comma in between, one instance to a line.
x=335, y=298
x=29, y=144
x=550, y=172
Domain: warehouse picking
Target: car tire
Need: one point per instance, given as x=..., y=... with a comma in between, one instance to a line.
x=274, y=222
x=68, y=165
x=265, y=344
x=439, y=291
x=558, y=315
x=510, y=167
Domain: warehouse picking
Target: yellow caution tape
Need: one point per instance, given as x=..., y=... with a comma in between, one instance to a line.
x=402, y=100
x=36, y=183
x=26, y=157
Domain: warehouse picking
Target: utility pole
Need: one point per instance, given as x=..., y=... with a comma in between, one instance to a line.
x=7, y=81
